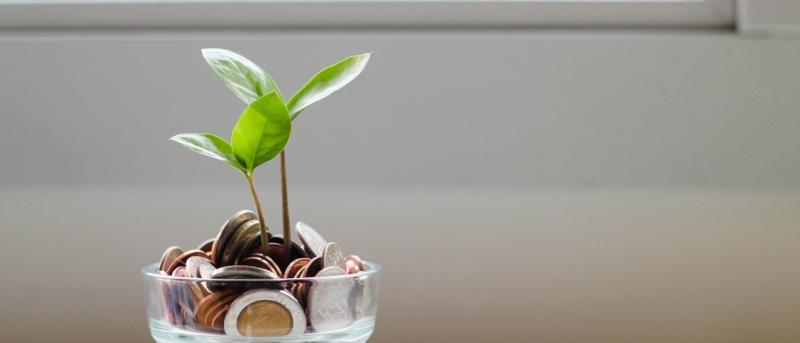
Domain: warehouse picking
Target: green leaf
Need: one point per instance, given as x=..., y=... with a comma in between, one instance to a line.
x=243, y=77
x=209, y=144
x=326, y=82
x=262, y=131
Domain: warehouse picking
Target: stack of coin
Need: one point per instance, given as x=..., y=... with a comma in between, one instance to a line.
x=232, y=284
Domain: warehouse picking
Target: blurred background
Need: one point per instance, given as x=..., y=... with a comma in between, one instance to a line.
x=525, y=171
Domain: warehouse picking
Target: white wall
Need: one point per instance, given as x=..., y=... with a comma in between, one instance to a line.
x=491, y=108
x=445, y=144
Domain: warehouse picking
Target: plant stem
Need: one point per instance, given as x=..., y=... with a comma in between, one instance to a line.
x=287, y=229
x=261, y=220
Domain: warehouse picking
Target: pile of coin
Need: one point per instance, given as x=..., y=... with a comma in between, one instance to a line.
x=232, y=284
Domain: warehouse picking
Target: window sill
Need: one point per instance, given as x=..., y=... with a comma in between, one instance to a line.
x=364, y=13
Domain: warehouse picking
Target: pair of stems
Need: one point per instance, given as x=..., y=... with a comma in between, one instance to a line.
x=287, y=231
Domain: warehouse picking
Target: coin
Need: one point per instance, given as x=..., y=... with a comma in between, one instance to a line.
x=297, y=249
x=206, y=246
x=358, y=261
x=179, y=272
x=299, y=288
x=240, y=272
x=312, y=240
x=198, y=292
x=300, y=292
x=350, y=267
x=296, y=265
x=254, y=245
x=199, y=267
x=209, y=301
x=215, y=308
x=329, y=303
x=165, y=296
x=227, y=230
x=276, y=252
x=184, y=293
x=181, y=260
x=217, y=320
x=332, y=255
x=265, y=313
x=261, y=261
x=273, y=266
x=235, y=247
x=168, y=257
x=314, y=266
x=254, y=261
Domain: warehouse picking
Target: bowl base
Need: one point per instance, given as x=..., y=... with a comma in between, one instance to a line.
x=359, y=332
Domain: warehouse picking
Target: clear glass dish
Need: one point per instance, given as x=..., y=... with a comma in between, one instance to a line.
x=340, y=308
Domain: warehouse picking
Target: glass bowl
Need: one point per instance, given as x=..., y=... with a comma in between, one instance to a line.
x=340, y=308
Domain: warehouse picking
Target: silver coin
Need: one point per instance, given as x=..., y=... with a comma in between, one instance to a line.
x=199, y=267
x=295, y=326
x=313, y=241
x=329, y=301
x=242, y=273
x=332, y=255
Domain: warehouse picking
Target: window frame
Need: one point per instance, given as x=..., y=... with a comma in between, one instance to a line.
x=221, y=14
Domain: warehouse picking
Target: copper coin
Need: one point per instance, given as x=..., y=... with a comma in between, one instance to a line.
x=168, y=257
x=255, y=262
x=276, y=252
x=314, y=266
x=235, y=247
x=217, y=321
x=202, y=307
x=197, y=291
x=359, y=262
x=350, y=267
x=301, y=293
x=301, y=272
x=296, y=265
x=273, y=265
x=297, y=249
x=260, y=262
x=227, y=230
x=206, y=246
x=269, y=262
x=292, y=289
x=217, y=307
x=181, y=260
x=220, y=311
x=297, y=290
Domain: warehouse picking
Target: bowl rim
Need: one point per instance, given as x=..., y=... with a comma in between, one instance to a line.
x=151, y=271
